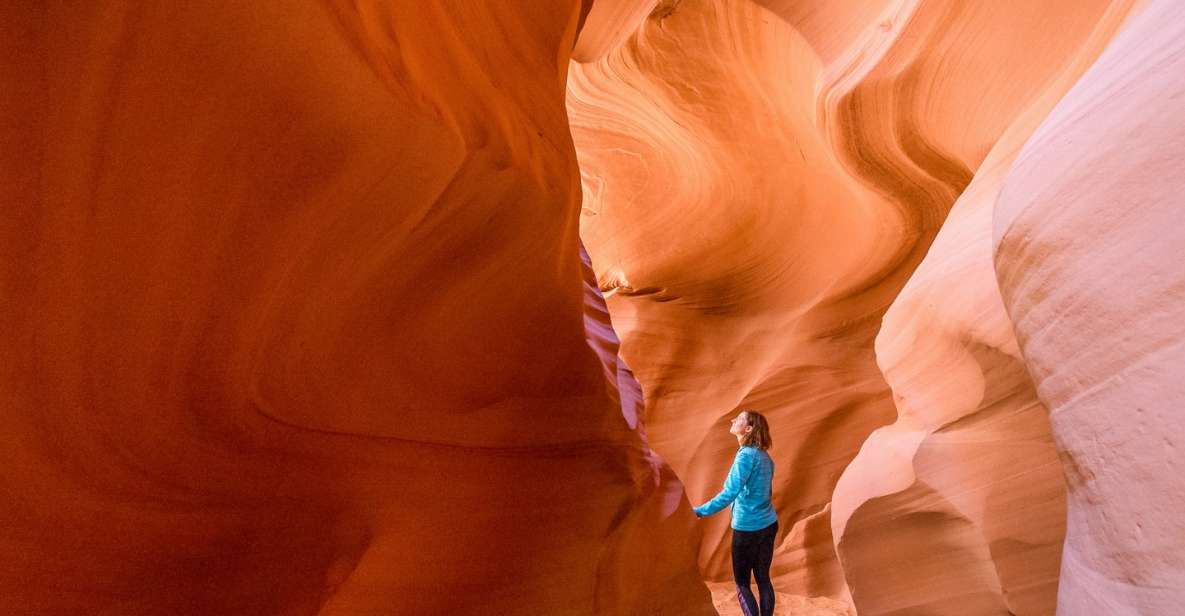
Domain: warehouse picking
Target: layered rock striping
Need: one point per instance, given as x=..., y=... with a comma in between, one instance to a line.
x=761, y=179
x=299, y=316
x=294, y=321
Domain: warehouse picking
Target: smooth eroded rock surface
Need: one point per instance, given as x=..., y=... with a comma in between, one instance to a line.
x=1088, y=250
x=959, y=506
x=336, y=307
x=761, y=179
x=294, y=321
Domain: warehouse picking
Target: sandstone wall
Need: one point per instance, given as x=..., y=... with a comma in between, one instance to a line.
x=294, y=321
x=959, y=506
x=761, y=179
x=1088, y=252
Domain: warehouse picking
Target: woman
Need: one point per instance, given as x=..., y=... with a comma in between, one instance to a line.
x=754, y=521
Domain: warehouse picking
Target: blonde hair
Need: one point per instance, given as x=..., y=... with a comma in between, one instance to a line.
x=759, y=436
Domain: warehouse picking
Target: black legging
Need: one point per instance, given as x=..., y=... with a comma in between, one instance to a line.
x=752, y=552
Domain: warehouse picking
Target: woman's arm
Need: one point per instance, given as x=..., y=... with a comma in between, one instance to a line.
x=742, y=468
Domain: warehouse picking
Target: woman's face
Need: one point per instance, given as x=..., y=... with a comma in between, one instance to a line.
x=740, y=425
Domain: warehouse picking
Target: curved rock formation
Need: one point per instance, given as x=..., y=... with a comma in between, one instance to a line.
x=298, y=318
x=294, y=321
x=1088, y=234
x=761, y=178
x=965, y=486
x=606, y=24
x=705, y=179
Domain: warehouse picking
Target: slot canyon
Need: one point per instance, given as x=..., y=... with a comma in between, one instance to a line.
x=444, y=307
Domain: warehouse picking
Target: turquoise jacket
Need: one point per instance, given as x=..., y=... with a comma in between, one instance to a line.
x=749, y=484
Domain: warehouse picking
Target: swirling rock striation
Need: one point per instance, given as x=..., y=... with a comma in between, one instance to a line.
x=761, y=180
x=294, y=321
x=965, y=485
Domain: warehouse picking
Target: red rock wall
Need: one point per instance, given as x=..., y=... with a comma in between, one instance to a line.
x=297, y=319
x=294, y=321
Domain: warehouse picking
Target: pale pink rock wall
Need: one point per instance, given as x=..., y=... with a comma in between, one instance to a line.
x=1089, y=251
x=965, y=487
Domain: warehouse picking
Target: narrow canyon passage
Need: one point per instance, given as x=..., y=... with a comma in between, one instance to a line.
x=392, y=307
x=790, y=208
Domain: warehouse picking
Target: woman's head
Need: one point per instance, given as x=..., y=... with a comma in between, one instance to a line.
x=752, y=430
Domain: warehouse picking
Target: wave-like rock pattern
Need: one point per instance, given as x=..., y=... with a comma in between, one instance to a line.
x=966, y=485
x=297, y=319
x=294, y=321
x=761, y=179
x=1088, y=251
x=704, y=182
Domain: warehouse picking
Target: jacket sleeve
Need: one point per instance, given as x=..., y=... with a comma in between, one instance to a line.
x=742, y=468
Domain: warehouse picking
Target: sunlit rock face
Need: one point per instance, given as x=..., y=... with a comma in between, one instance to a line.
x=296, y=321
x=729, y=280
x=965, y=486
x=1088, y=251
x=761, y=179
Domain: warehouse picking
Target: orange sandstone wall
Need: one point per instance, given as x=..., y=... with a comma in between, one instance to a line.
x=959, y=506
x=761, y=179
x=297, y=321
x=294, y=321
x=726, y=236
